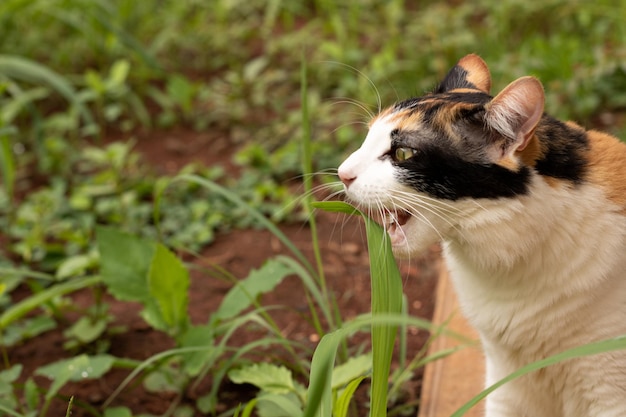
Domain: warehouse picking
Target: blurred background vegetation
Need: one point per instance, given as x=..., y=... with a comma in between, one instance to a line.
x=75, y=73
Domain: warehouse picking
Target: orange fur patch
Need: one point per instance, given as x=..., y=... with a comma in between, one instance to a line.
x=477, y=72
x=532, y=152
x=607, y=166
x=509, y=164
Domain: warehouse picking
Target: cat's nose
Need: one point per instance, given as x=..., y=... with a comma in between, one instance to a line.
x=346, y=177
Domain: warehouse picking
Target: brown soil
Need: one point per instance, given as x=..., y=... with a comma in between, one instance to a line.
x=346, y=267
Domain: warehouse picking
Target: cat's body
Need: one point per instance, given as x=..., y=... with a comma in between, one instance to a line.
x=531, y=213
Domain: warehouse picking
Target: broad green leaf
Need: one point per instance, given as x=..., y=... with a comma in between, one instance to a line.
x=75, y=369
x=26, y=329
x=75, y=265
x=352, y=369
x=125, y=261
x=169, y=282
x=276, y=405
x=267, y=377
x=8, y=377
x=31, y=394
x=85, y=330
x=165, y=379
x=245, y=292
x=198, y=336
x=343, y=402
x=119, y=72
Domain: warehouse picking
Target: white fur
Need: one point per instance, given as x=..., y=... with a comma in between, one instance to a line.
x=536, y=275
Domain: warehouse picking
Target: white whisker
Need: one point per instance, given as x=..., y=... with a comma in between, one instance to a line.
x=362, y=74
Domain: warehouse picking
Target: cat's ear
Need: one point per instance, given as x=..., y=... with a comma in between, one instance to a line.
x=470, y=72
x=515, y=112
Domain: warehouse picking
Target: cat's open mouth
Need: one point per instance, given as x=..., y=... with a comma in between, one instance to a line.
x=395, y=220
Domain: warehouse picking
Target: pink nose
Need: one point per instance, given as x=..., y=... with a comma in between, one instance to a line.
x=346, y=177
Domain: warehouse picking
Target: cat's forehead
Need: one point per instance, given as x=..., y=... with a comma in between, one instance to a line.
x=433, y=110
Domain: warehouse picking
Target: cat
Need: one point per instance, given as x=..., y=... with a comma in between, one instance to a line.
x=531, y=215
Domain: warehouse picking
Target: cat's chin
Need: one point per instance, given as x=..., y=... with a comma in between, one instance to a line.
x=411, y=238
x=397, y=235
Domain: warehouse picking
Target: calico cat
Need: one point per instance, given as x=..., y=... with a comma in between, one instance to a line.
x=531, y=215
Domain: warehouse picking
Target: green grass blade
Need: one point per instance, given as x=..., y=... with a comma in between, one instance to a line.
x=336, y=206
x=595, y=348
x=10, y=412
x=7, y=163
x=319, y=396
x=20, y=309
x=307, y=176
x=310, y=285
x=30, y=71
x=343, y=402
x=386, y=298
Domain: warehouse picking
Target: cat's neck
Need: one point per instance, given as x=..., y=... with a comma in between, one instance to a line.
x=558, y=230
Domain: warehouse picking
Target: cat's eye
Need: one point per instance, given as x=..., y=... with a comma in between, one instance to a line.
x=402, y=154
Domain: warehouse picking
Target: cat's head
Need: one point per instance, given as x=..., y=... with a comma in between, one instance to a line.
x=427, y=160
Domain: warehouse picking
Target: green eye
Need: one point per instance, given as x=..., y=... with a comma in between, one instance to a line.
x=402, y=154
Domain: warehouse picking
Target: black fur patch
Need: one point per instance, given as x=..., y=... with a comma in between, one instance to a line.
x=565, y=150
x=456, y=78
x=441, y=169
x=441, y=174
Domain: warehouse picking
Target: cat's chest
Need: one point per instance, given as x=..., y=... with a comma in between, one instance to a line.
x=558, y=285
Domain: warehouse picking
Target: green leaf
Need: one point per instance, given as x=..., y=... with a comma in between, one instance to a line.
x=253, y=68
x=7, y=164
x=75, y=265
x=169, y=282
x=343, y=402
x=267, y=377
x=26, y=329
x=31, y=394
x=247, y=411
x=335, y=206
x=165, y=379
x=119, y=73
x=352, y=369
x=276, y=405
x=118, y=412
x=386, y=299
x=260, y=281
x=125, y=261
x=31, y=71
x=182, y=91
x=23, y=307
x=198, y=336
x=75, y=369
x=319, y=398
x=8, y=377
x=85, y=330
